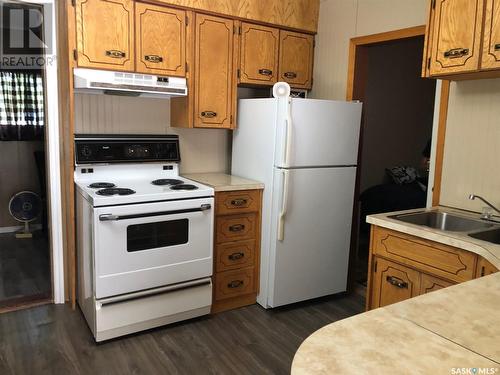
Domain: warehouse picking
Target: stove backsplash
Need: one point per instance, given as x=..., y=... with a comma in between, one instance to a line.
x=202, y=150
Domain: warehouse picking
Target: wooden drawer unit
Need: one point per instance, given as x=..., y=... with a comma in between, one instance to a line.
x=235, y=202
x=234, y=255
x=234, y=283
x=393, y=283
x=237, y=248
x=236, y=227
x=440, y=260
x=430, y=283
x=485, y=268
x=403, y=266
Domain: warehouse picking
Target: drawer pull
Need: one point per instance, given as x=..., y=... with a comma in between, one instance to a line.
x=237, y=228
x=497, y=47
x=265, y=72
x=397, y=282
x=153, y=58
x=238, y=202
x=235, y=284
x=208, y=114
x=290, y=75
x=115, y=54
x=456, y=52
x=236, y=256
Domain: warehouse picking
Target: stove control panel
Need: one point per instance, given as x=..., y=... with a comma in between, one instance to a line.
x=123, y=149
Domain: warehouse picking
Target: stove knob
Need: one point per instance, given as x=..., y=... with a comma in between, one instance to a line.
x=86, y=151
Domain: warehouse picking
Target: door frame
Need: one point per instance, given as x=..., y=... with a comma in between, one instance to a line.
x=356, y=82
x=356, y=79
x=52, y=146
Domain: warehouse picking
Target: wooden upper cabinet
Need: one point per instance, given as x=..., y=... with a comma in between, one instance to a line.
x=456, y=38
x=491, y=42
x=214, y=78
x=160, y=40
x=105, y=34
x=296, y=59
x=259, y=54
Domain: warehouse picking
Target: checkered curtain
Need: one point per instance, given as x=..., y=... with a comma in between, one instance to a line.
x=21, y=106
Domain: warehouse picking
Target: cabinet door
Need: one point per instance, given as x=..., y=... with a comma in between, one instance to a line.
x=296, y=59
x=105, y=34
x=491, y=43
x=393, y=283
x=160, y=40
x=485, y=268
x=430, y=283
x=259, y=54
x=213, y=72
x=456, y=36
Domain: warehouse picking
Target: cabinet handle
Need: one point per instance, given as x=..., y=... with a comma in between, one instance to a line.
x=397, y=282
x=456, y=52
x=236, y=228
x=235, y=284
x=208, y=114
x=236, y=256
x=153, y=58
x=497, y=47
x=266, y=72
x=238, y=202
x=115, y=54
x=290, y=75
x=483, y=271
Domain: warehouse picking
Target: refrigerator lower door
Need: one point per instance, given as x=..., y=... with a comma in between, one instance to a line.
x=311, y=230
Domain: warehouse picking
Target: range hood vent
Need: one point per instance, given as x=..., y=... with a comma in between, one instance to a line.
x=127, y=84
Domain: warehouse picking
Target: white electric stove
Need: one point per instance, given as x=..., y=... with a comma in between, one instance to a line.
x=144, y=235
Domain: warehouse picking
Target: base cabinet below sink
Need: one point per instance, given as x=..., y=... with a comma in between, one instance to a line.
x=402, y=266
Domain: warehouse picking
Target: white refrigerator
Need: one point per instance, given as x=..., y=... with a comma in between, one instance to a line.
x=305, y=152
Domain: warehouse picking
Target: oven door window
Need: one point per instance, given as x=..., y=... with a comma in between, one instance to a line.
x=156, y=235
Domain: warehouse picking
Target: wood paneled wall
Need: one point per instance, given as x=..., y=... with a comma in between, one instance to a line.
x=202, y=150
x=297, y=14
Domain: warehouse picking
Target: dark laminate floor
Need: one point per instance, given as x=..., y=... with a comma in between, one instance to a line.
x=55, y=340
x=24, y=268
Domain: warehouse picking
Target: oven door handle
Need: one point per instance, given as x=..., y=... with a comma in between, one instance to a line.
x=110, y=217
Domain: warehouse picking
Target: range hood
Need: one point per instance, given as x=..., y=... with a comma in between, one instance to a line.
x=127, y=84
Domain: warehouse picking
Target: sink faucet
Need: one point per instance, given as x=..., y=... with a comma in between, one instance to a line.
x=485, y=215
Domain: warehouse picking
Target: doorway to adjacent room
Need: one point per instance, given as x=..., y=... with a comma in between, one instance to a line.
x=396, y=130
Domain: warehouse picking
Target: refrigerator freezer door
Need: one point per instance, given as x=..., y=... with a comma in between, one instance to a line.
x=320, y=133
x=311, y=260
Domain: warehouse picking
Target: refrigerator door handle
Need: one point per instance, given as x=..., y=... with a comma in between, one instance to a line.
x=289, y=133
x=284, y=207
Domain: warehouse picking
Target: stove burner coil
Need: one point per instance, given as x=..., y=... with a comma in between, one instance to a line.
x=184, y=187
x=115, y=191
x=101, y=185
x=167, y=181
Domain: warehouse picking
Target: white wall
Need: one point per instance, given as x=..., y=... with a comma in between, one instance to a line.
x=472, y=146
x=341, y=20
x=202, y=150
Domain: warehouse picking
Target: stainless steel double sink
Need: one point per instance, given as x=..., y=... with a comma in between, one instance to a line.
x=479, y=229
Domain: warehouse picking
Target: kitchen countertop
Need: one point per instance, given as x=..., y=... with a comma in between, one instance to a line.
x=225, y=182
x=455, y=327
x=489, y=251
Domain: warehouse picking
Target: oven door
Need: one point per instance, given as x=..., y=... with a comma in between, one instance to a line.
x=148, y=245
